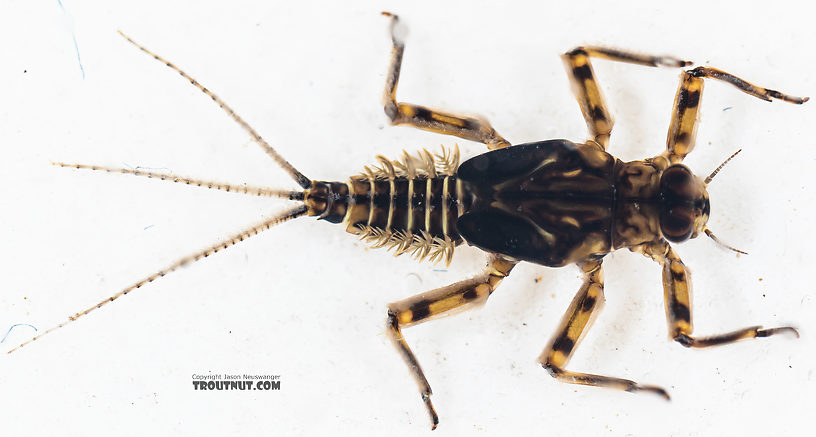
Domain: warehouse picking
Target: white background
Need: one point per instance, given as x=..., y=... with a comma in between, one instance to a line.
x=306, y=300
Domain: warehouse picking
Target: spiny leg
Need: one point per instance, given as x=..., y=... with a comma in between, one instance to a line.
x=577, y=320
x=221, y=245
x=428, y=119
x=677, y=295
x=685, y=113
x=589, y=94
x=441, y=301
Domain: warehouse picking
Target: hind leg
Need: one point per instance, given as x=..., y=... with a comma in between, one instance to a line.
x=440, y=302
x=474, y=129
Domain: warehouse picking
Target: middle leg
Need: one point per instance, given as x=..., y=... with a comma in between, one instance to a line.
x=582, y=311
x=589, y=94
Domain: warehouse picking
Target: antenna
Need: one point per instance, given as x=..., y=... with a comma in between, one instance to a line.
x=717, y=240
x=717, y=170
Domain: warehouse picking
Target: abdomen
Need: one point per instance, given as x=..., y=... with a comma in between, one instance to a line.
x=415, y=206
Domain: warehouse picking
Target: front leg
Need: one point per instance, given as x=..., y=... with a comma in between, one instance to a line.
x=685, y=113
x=677, y=296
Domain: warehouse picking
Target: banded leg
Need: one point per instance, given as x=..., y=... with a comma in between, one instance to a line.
x=440, y=302
x=589, y=95
x=474, y=129
x=677, y=294
x=685, y=113
x=582, y=311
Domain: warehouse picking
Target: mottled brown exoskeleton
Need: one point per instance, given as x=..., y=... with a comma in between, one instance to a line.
x=551, y=203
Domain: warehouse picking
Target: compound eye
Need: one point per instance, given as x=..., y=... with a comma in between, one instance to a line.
x=677, y=224
x=677, y=182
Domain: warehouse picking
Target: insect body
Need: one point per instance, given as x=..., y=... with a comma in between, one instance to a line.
x=551, y=203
